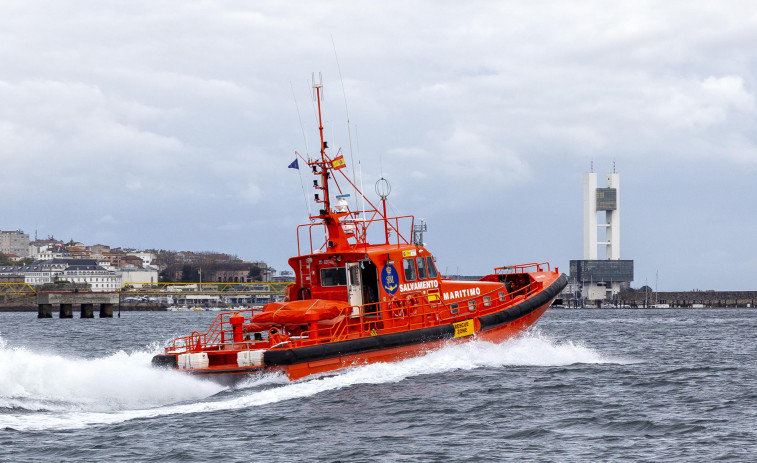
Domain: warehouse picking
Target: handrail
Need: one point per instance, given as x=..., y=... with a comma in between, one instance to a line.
x=340, y=327
x=521, y=268
x=414, y=317
x=215, y=335
x=338, y=331
x=362, y=225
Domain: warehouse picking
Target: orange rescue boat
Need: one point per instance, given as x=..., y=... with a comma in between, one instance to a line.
x=354, y=302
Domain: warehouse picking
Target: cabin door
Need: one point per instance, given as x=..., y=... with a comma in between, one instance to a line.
x=354, y=287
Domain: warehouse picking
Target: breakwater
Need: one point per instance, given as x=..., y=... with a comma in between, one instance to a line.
x=688, y=298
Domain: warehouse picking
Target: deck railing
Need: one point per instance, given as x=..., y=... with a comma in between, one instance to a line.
x=522, y=268
x=360, y=224
x=382, y=317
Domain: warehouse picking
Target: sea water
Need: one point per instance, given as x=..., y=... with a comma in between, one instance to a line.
x=582, y=385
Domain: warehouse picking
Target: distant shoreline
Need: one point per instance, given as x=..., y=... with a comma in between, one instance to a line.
x=649, y=308
x=125, y=308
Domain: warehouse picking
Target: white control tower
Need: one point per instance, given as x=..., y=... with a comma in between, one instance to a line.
x=601, y=277
x=605, y=200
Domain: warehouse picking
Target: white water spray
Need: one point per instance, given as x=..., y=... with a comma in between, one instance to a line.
x=73, y=393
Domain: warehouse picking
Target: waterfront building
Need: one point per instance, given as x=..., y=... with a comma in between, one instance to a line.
x=79, y=252
x=114, y=256
x=14, y=242
x=43, y=271
x=87, y=271
x=98, y=249
x=137, y=276
x=146, y=257
x=597, y=278
x=238, y=272
x=54, y=252
x=73, y=270
x=131, y=261
x=10, y=274
x=37, y=247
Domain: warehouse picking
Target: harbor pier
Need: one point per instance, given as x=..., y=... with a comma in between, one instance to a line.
x=85, y=300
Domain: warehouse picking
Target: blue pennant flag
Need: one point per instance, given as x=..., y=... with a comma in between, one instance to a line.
x=294, y=165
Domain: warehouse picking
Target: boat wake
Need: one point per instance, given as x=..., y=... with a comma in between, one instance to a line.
x=41, y=391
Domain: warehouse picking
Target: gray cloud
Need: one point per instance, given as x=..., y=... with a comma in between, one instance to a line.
x=171, y=124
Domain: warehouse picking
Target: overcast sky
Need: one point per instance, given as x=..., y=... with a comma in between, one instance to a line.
x=170, y=124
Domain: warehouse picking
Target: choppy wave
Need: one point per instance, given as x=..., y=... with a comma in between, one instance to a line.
x=47, y=382
x=42, y=391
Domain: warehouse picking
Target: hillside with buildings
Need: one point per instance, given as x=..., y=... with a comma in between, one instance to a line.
x=103, y=268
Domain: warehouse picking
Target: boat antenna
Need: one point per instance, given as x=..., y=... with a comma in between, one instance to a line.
x=315, y=109
x=347, y=112
x=318, y=89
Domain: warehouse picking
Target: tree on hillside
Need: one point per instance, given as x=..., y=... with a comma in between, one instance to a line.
x=255, y=273
x=189, y=274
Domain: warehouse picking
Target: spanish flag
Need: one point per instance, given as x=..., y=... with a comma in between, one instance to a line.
x=338, y=162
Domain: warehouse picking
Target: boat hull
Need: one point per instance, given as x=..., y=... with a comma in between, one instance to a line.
x=300, y=362
x=497, y=334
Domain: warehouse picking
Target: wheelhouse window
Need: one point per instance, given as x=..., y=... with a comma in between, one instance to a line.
x=334, y=276
x=431, y=267
x=409, y=266
x=421, y=263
